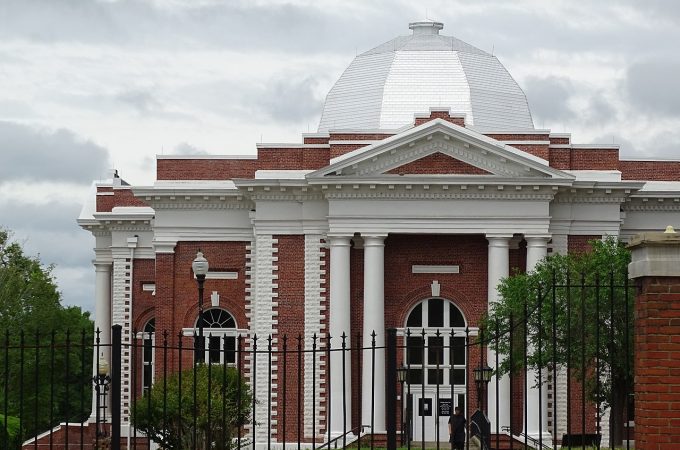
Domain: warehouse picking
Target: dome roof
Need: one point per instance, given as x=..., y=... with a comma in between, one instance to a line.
x=384, y=87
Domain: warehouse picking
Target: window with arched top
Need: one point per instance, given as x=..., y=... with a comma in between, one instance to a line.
x=435, y=343
x=219, y=333
x=148, y=337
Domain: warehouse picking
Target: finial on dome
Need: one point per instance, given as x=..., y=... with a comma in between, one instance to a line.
x=426, y=27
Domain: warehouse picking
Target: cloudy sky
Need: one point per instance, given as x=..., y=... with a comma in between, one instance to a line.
x=88, y=85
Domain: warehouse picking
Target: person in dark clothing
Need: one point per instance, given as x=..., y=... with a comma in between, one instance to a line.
x=457, y=429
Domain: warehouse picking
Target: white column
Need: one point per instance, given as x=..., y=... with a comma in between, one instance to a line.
x=339, y=324
x=102, y=319
x=537, y=249
x=374, y=321
x=498, y=267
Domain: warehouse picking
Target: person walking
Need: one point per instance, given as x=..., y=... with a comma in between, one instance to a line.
x=457, y=429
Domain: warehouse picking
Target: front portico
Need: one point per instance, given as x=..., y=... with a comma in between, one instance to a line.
x=383, y=190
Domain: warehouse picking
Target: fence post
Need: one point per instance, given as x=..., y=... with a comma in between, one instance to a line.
x=391, y=389
x=655, y=269
x=115, y=385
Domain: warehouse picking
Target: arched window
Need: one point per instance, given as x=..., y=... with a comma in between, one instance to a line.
x=220, y=333
x=435, y=344
x=148, y=338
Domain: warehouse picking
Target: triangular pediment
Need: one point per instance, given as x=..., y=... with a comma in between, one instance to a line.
x=438, y=163
x=439, y=148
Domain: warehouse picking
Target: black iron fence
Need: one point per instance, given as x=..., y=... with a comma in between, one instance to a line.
x=564, y=357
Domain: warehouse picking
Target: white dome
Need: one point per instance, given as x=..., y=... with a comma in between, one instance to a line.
x=384, y=87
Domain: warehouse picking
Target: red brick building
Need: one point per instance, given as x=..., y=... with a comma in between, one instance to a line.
x=424, y=186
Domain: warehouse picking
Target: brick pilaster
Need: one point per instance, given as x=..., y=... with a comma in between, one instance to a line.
x=656, y=268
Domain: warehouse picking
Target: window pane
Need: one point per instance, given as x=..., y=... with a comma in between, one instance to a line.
x=414, y=351
x=435, y=350
x=435, y=313
x=148, y=370
x=198, y=354
x=415, y=319
x=458, y=351
x=414, y=376
x=459, y=376
x=455, y=317
x=148, y=350
x=214, y=349
x=435, y=376
x=230, y=356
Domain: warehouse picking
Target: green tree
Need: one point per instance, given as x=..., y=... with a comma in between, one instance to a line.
x=580, y=301
x=43, y=384
x=221, y=405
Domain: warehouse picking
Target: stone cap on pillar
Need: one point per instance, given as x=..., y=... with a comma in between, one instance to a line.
x=655, y=255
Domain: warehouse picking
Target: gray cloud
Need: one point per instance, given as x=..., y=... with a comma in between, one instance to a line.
x=141, y=100
x=35, y=154
x=600, y=110
x=548, y=98
x=654, y=87
x=289, y=99
x=184, y=148
x=232, y=24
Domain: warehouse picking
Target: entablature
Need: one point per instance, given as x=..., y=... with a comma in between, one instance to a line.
x=193, y=194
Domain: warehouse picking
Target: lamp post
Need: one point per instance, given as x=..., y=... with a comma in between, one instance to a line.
x=482, y=377
x=101, y=385
x=200, y=268
x=401, y=376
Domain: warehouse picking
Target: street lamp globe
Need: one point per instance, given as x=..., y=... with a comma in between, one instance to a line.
x=200, y=264
x=103, y=367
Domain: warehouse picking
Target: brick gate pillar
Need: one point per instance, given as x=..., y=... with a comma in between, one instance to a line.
x=655, y=266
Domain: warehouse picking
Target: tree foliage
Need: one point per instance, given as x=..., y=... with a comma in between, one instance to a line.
x=48, y=383
x=577, y=312
x=212, y=401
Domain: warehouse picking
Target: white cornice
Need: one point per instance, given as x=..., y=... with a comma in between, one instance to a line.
x=182, y=203
x=441, y=195
x=440, y=180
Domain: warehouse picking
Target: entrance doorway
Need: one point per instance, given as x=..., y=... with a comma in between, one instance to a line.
x=435, y=360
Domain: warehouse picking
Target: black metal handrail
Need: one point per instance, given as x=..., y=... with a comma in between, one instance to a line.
x=335, y=439
x=535, y=443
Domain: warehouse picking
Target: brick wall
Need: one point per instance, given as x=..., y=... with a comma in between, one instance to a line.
x=580, y=243
x=454, y=119
x=120, y=197
x=438, y=163
x=584, y=159
x=205, y=169
x=292, y=158
x=340, y=149
x=142, y=311
x=650, y=170
x=518, y=137
x=291, y=316
x=657, y=363
x=176, y=299
x=315, y=140
x=542, y=151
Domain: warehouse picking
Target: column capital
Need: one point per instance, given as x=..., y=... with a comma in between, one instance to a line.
x=102, y=266
x=537, y=240
x=339, y=241
x=164, y=246
x=498, y=240
x=373, y=240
